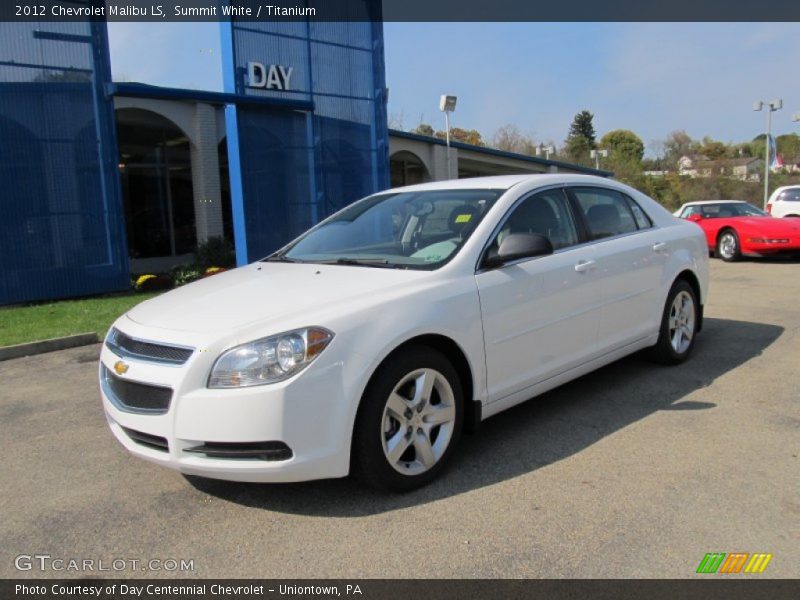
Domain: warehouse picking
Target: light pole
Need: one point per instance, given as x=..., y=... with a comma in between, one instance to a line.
x=546, y=150
x=596, y=154
x=447, y=104
x=771, y=107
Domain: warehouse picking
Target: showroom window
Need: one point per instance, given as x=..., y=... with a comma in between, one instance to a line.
x=156, y=178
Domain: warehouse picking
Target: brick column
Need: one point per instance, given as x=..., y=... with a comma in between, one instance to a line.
x=205, y=174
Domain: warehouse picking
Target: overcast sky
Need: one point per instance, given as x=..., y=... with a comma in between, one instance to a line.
x=651, y=78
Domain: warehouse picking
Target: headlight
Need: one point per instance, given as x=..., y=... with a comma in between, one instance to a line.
x=270, y=359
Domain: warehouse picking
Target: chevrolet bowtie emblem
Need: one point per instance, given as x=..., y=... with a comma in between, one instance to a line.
x=120, y=367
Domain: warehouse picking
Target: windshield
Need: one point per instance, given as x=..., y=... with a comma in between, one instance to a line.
x=725, y=210
x=410, y=230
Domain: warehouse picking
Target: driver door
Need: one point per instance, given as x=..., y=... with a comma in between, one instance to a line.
x=540, y=315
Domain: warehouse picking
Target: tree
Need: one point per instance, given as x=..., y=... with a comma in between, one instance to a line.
x=510, y=139
x=396, y=120
x=623, y=146
x=583, y=125
x=467, y=136
x=789, y=148
x=713, y=149
x=677, y=144
x=423, y=129
x=581, y=138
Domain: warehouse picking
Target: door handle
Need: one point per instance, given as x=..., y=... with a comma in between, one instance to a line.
x=584, y=266
x=659, y=246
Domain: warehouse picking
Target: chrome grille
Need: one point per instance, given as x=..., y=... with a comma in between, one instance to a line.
x=124, y=345
x=132, y=396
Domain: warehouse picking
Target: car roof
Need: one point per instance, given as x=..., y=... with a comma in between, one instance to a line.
x=502, y=182
x=699, y=202
x=783, y=188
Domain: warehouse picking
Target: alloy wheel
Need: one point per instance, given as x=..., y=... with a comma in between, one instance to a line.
x=681, y=322
x=418, y=421
x=727, y=245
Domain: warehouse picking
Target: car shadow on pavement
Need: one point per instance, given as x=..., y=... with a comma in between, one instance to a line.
x=534, y=434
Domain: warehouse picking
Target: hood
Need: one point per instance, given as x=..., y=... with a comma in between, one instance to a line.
x=265, y=291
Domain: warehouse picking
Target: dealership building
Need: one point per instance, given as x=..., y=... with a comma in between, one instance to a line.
x=101, y=179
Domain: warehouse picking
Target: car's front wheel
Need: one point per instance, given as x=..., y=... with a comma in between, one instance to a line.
x=409, y=420
x=728, y=248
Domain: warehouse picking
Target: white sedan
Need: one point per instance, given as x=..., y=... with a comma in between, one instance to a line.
x=368, y=344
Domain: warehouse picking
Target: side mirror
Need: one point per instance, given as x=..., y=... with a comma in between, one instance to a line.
x=695, y=217
x=519, y=245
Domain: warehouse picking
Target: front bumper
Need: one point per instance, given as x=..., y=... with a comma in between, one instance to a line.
x=789, y=248
x=308, y=414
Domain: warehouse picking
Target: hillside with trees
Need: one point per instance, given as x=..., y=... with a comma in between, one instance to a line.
x=660, y=174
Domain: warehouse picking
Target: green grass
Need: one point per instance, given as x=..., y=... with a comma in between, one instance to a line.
x=20, y=324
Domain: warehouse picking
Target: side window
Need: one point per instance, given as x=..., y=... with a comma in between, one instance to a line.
x=606, y=211
x=546, y=213
x=641, y=218
x=791, y=195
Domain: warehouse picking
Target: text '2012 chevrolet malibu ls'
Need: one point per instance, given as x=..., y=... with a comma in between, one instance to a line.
x=368, y=344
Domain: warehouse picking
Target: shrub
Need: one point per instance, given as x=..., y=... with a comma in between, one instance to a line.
x=216, y=251
x=183, y=274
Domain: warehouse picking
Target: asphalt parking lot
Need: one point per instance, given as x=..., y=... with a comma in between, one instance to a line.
x=635, y=470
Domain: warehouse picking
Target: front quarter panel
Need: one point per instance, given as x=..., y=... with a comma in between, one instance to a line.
x=448, y=308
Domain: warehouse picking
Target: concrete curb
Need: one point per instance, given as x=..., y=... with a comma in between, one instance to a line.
x=62, y=343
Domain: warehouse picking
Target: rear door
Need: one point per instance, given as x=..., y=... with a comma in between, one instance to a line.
x=631, y=257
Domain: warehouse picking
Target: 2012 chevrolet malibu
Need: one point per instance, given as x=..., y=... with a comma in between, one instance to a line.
x=368, y=344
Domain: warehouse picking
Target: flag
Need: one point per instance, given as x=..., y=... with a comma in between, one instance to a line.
x=776, y=160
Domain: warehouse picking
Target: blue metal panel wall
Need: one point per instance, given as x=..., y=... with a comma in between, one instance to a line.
x=274, y=157
x=62, y=231
x=295, y=170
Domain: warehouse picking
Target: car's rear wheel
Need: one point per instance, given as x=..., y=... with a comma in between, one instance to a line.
x=409, y=420
x=728, y=248
x=678, y=325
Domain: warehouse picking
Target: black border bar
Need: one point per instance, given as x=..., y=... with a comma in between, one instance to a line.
x=710, y=587
x=403, y=10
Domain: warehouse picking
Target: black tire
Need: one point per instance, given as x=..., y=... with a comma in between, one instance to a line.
x=728, y=253
x=665, y=352
x=375, y=422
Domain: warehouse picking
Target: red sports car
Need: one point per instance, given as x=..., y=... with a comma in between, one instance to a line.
x=735, y=228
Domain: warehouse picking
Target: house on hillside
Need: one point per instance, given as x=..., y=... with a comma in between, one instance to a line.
x=746, y=168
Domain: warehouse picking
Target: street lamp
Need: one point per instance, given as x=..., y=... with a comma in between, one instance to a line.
x=596, y=154
x=771, y=107
x=546, y=150
x=447, y=104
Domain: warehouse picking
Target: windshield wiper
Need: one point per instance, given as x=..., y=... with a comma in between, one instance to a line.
x=281, y=258
x=360, y=262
